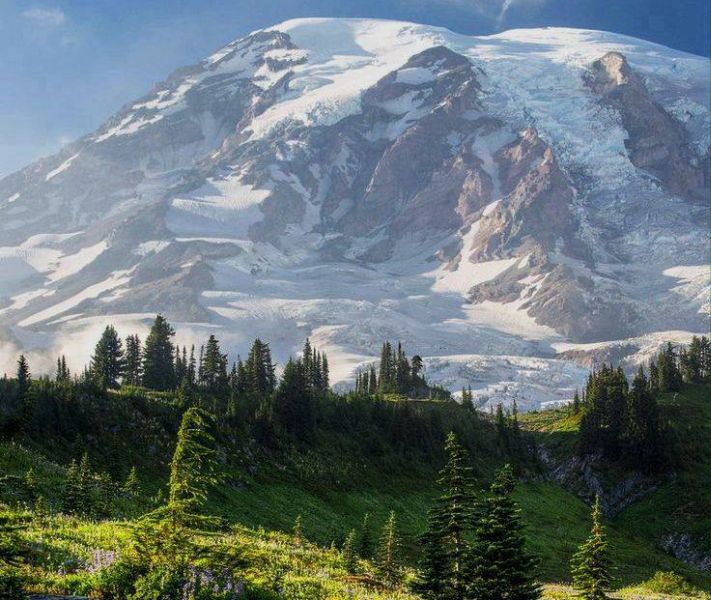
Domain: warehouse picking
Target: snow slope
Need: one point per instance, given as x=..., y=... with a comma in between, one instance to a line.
x=354, y=180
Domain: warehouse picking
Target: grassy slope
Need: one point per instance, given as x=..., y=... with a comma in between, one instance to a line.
x=556, y=520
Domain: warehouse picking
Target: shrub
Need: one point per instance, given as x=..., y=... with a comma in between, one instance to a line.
x=12, y=584
x=667, y=582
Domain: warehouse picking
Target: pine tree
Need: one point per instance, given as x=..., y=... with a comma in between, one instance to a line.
x=62, y=374
x=24, y=377
x=158, y=366
x=292, y=407
x=214, y=368
x=451, y=518
x=107, y=363
x=590, y=566
x=350, y=560
x=576, y=403
x=388, y=563
x=501, y=568
x=366, y=542
x=669, y=376
x=133, y=368
x=260, y=370
x=132, y=486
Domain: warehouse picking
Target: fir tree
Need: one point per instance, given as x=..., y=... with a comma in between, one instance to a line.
x=350, y=560
x=366, y=543
x=214, y=368
x=62, y=374
x=132, y=486
x=24, y=376
x=260, y=370
x=451, y=518
x=501, y=568
x=107, y=363
x=590, y=566
x=158, y=365
x=388, y=563
x=293, y=405
x=133, y=369
x=31, y=485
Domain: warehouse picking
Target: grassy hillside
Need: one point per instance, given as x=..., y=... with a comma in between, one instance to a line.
x=332, y=483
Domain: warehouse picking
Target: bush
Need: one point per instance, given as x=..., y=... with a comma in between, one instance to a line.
x=118, y=580
x=12, y=584
x=668, y=582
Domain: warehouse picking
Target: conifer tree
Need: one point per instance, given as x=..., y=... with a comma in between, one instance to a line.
x=366, y=542
x=133, y=368
x=590, y=566
x=260, y=370
x=31, y=485
x=24, y=376
x=132, y=486
x=62, y=374
x=451, y=519
x=576, y=403
x=214, y=368
x=158, y=365
x=388, y=563
x=350, y=560
x=292, y=407
x=501, y=568
x=108, y=363
x=193, y=469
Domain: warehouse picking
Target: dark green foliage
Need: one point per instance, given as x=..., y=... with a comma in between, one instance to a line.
x=79, y=489
x=133, y=371
x=158, y=365
x=619, y=423
x=292, y=407
x=23, y=376
x=107, y=362
x=366, y=543
x=62, y=374
x=446, y=545
x=132, y=486
x=590, y=566
x=259, y=369
x=350, y=559
x=388, y=559
x=501, y=567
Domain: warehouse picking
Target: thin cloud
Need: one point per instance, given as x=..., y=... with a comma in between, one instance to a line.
x=46, y=17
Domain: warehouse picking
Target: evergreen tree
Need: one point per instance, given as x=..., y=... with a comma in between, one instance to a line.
x=388, y=564
x=576, y=403
x=24, y=377
x=62, y=374
x=669, y=376
x=292, y=407
x=108, y=363
x=350, y=560
x=193, y=470
x=214, y=368
x=643, y=439
x=260, y=370
x=501, y=568
x=366, y=542
x=31, y=485
x=590, y=566
x=133, y=368
x=132, y=486
x=158, y=366
x=451, y=518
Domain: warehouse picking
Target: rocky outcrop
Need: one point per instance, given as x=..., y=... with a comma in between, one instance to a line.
x=656, y=141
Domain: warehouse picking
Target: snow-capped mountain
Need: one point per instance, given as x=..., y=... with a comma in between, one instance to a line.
x=490, y=201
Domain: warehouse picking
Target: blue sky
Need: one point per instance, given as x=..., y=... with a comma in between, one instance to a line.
x=66, y=65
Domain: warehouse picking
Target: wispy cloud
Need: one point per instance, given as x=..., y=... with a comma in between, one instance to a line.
x=495, y=11
x=45, y=17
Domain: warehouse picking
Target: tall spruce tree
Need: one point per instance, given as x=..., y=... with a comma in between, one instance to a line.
x=292, y=407
x=133, y=369
x=446, y=546
x=366, y=542
x=158, y=364
x=501, y=567
x=388, y=563
x=590, y=567
x=24, y=377
x=107, y=362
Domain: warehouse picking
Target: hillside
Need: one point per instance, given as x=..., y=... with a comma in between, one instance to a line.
x=338, y=477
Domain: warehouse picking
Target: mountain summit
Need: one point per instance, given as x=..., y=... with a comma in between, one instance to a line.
x=493, y=202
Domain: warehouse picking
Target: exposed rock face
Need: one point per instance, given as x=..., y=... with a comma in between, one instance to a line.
x=352, y=180
x=656, y=141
